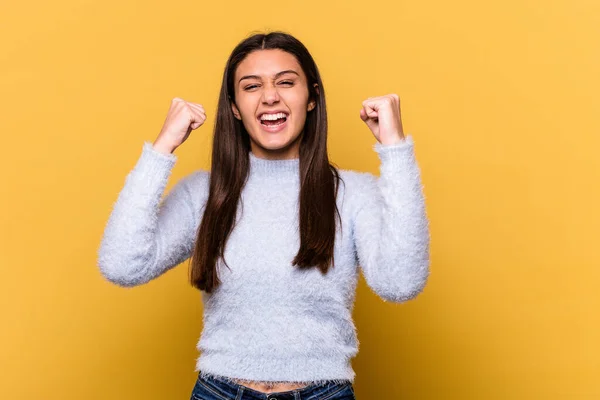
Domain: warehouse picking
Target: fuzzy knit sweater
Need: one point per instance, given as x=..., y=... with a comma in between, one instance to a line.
x=269, y=322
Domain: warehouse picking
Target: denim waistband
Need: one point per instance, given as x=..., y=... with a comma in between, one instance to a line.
x=232, y=390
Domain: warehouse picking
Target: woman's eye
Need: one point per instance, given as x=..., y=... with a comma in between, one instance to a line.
x=282, y=83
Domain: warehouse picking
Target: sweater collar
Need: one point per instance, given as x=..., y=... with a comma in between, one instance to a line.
x=274, y=169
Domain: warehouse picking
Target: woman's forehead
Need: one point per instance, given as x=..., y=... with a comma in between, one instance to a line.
x=268, y=63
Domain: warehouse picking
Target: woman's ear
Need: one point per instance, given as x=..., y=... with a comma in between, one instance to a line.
x=312, y=104
x=235, y=110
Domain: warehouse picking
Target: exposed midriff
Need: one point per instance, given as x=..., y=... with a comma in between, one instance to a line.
x=270, y=388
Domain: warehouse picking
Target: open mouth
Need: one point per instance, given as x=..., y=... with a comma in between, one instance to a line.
x=274, y=121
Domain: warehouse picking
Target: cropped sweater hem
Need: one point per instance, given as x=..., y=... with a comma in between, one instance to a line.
x=316, y=370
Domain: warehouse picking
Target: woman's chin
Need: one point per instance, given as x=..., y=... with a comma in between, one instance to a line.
x=274, y=143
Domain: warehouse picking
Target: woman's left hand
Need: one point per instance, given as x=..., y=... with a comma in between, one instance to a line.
x=382, y=116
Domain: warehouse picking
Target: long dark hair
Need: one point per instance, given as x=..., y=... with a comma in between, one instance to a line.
x=319, y=180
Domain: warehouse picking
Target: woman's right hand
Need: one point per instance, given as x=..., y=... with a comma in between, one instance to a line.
x=183, y=117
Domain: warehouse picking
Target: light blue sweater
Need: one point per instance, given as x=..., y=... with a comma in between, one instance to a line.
x=269, y=322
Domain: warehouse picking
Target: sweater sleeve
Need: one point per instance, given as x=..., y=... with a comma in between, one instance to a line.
x=146, y=236
x=391, y=230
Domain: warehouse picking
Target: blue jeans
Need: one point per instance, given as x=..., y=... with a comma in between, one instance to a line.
x=209, y=388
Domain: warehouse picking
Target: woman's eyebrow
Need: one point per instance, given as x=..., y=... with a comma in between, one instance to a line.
x=277, y=75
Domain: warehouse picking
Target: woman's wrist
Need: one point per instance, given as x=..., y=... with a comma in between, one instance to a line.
x=162, y=148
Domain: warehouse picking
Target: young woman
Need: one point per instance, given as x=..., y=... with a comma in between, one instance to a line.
x=276, y=234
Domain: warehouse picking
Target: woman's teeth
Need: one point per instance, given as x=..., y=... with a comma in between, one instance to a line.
x=272, y=117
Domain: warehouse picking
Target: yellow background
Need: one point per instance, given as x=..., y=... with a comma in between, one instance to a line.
x=501, y=99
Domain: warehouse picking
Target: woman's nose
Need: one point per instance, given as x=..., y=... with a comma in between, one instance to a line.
x=270, y=95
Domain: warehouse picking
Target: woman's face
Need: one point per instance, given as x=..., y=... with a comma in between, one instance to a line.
x=270, y=84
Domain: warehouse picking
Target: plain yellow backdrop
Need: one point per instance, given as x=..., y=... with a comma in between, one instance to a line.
x=502, y=101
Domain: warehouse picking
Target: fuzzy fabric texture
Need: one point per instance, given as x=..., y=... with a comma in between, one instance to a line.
x=268, y=321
